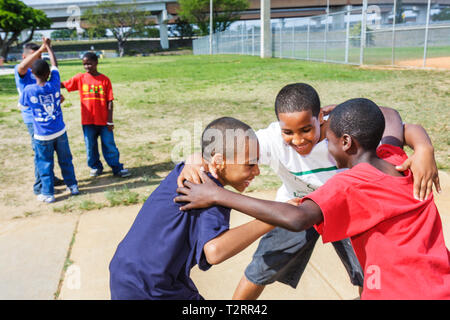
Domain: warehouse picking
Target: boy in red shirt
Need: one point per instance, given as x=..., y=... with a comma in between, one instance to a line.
x=96, y=97
x=398, y=240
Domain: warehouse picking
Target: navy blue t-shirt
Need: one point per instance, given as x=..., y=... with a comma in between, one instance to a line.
x=155, y=258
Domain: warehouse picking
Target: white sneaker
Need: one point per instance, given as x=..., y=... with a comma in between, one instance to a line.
x=95, y=172
x=73, y=190
x=46, y=199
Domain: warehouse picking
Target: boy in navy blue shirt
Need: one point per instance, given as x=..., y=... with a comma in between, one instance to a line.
x=154, y=259
x=44, y=100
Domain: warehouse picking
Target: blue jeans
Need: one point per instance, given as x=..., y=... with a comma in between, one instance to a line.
x=109, y=149
x=45, y=162
x=37, y=179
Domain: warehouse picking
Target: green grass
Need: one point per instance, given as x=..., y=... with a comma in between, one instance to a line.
x=164, y=100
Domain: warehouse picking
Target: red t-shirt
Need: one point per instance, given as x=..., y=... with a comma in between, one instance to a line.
x=95, y=92
x=398, y=240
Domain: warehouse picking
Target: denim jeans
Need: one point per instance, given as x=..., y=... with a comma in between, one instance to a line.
x=37, y=179
x=45, y=162
x=109, y=149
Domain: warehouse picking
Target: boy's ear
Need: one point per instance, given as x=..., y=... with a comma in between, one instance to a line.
x=320, y=117
x=347, y=142
x=216, y=164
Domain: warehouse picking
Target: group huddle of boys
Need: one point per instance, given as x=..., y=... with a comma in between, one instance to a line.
x=387, y=234
x=40, y=102
x=369, y=212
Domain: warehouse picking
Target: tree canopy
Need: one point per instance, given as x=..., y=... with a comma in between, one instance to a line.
x=225, y=12
x=15, y=17
x=123, y=20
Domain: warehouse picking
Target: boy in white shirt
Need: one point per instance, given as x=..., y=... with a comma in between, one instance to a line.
x=296, y=149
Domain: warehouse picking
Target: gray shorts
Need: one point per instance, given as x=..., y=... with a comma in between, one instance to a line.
x=282, y=256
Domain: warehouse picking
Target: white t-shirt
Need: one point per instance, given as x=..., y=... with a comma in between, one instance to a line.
x=300, y=174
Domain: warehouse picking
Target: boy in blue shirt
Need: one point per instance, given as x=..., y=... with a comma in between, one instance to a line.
x=44, y=100
x=154, y=259
x=24, y=77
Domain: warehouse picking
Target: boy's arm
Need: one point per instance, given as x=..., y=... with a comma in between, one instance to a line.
x=191, y=169
x=422, y=163
x=26, y=63
x=285, y=215
x=233, y=241
x=110, y=123
x=51, y=54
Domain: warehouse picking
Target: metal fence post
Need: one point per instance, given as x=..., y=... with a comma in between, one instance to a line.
x=281, y=40
x=425, y=45
x=242, y=38
x=326, y=31
x=307, y=39
x=363, y=32
x=393, y=32
x=347, y=35
x=293, y=42
x=253, y=40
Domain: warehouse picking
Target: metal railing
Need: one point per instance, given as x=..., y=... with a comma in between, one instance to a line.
x=336, y=37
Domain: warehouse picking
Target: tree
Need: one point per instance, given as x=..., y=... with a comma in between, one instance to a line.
x=182, y=28
x=443, y=15
x=123, y=20
x=63, y=34
x=225, y=12
x=15, y=17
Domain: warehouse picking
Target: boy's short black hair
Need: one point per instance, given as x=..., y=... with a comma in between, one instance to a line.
x=31, y=46
x=297, y=97
x=360, y=118
x=91, y=56
x=222, y=136
x=40, y=69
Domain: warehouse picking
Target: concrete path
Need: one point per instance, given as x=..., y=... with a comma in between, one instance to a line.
x=33, y=252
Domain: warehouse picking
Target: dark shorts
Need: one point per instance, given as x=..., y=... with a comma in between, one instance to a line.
x=282, y=256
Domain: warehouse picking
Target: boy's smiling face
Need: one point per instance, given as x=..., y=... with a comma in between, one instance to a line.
x=241, y=171
x=90, y=65
x=300, y=130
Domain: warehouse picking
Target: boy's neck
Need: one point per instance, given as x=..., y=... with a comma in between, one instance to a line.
x=40, y=82
x=94, y=73
x=370, y=157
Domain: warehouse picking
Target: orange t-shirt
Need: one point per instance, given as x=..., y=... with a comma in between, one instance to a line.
x=95, y=92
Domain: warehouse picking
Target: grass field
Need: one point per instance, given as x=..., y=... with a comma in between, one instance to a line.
x=156, y=96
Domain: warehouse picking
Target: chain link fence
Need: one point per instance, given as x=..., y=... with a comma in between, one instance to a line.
x=376, y=36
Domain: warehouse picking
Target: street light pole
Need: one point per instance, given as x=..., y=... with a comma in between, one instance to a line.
x=210, y=26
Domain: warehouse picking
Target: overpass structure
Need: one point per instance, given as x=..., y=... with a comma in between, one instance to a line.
x=165, y=11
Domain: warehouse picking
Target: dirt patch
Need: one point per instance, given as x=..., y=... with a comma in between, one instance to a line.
x=439, y=63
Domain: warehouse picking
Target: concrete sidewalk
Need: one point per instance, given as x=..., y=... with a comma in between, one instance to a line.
x=34, y=251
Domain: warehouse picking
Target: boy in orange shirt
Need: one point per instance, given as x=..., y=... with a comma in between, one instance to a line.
x=96, y=97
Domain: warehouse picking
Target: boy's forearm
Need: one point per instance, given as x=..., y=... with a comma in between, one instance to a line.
x=27, y=62
x=275, y=213
x=52, y=56
x=235, y=240
x=110, y=111
x=417, y=138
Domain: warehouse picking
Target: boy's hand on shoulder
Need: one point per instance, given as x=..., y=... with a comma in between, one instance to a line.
x=423, y=167
x=198, y=195
x=191, y=170
x=294, y=201
x=327, y=109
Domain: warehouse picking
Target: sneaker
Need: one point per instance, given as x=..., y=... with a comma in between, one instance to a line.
x=123, y=173
x=73, y=190
x=95, y=172
x=46, y=199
